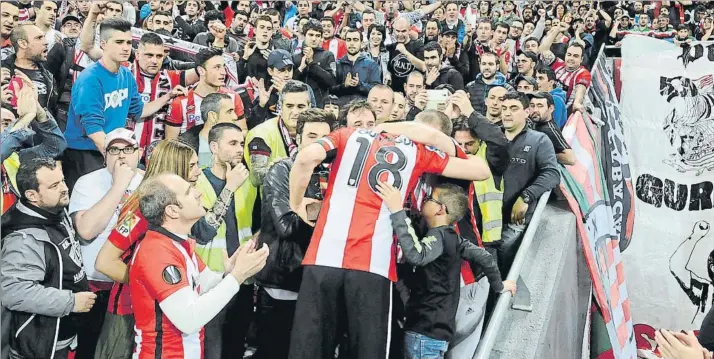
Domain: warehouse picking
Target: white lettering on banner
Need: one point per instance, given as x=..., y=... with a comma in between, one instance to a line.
x=668, y=116
x=115, y=98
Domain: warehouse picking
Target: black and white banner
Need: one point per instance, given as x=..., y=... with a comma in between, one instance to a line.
x=668, y=111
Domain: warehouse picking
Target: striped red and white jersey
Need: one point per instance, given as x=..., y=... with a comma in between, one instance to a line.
x=162, y=266
x=354, y=230
x=570, y=79
x=336, y=46
x=185, y=111
x=151, y=130
x=125, y=236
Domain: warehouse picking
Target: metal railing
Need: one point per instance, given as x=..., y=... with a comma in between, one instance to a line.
x=504, y=299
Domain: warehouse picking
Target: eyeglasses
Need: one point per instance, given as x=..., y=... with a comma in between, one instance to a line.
x=432, y=199
x=127, y=150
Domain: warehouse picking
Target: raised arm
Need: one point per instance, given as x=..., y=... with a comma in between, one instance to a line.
x=421, y=133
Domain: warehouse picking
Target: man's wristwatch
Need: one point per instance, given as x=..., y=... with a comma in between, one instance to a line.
x=526, y=198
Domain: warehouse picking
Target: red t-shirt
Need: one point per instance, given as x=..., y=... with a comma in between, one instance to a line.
x=124, y=236
x=354, y=230
x=161, y=266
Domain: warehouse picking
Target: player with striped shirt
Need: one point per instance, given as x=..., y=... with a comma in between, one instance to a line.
x=570, y=72
x=351, y=260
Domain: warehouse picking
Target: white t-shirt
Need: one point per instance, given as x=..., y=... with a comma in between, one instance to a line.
x=87, y=192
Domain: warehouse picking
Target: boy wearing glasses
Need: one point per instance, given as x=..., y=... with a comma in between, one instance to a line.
x=434, y=298
x=94, y=206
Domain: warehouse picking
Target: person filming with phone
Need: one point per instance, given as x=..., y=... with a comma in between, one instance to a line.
x=287, y=235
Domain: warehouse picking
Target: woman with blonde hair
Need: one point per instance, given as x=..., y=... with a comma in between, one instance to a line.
x=116, y=339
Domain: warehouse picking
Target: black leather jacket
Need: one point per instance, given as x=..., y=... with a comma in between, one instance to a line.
x=285, y=233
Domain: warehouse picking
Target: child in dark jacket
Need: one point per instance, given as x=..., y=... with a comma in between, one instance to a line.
x=434, y=297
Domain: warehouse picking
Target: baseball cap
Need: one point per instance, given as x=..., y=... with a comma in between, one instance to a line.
x=448, y=31
x=120, y=134
x=68, y=18
x=529, y=54
x=542, y=95
x=529, y=79
x=280, y=59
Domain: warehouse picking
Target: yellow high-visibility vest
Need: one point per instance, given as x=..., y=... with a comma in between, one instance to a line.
x=490, y=202
x=11, y=164
x=245, y=195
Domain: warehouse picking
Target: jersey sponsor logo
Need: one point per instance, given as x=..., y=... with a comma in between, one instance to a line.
x=115, y=98
x=439, y=152
x=526, y=149
x=171, y=275
x=145, y=98
x=194, y=118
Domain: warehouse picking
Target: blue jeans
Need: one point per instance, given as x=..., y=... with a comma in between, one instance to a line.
x=417, y=346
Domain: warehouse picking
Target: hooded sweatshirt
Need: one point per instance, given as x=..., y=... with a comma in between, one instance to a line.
x=448, y=75
x=560, y=116
x=42, y=268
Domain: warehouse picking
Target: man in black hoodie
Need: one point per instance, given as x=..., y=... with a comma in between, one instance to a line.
x=43, y=281
x=316, y=67
x=436, y=74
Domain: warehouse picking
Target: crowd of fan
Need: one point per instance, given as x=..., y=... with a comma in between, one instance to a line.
x=111, y=140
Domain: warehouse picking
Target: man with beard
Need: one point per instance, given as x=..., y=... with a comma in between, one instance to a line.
x=526, y=63
x=155, y=84
x=46, y=14
x=29, y=58
x=436, y=74
x=43, y=274
x=317, y=67
x=381, y=98
x=104, y=96
x=238, y=30
x=541, y=117
x=489, y=77
x=357, y=73
x=405, y=54
x=476, y=48
x=532, y=172
x=431, y=31
x=274, y=138
x=330, y=43
x=575, y=77
x=190, y=25
x=545, y=77
x=9, y=15
x=184, y=113
x=226, y=332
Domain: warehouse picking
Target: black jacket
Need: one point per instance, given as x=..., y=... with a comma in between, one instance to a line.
x=320, y=74
x=532, y=171
x=52, y=90
x=285, y=233
x=496, y=143
x=448, y=76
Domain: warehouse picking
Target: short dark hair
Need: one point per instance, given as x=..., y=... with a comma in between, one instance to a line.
x=312, y=25
x=27, y=173
x=241, y=12
x=433, y=46
x=682, y=27
x=368, y=11
x=17, y=34
x=532, y=38
x=164, y=13
x=578, y=45
x=485, y=21
x=272, y=12
x=353, y=30
x=545, y=70
x=503, y=25
x=454, y=198
x=437, y=118
x=487, y=53
x=38, y=4
x=434, y=20
x=513, y=95
x=206, y=54
x=356, y=106
x=113, y=24
x=213, y=15
x=264, y=17
x=381, y=29
x=460, y=123
x=328, y=19
x=313, y=115
x=216, y=132
x=151, y=38
x=294, y=86
x=212, y=103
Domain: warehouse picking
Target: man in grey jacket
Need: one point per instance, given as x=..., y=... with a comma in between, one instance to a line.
x=43, y=279
x=533, y=171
